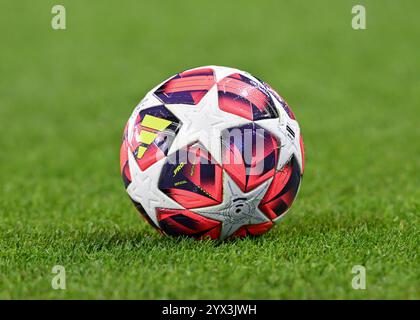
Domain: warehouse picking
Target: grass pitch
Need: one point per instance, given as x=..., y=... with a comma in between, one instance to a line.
x=64, y=99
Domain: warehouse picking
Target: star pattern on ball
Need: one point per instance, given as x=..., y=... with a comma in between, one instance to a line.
x=222, y=72
x=203, y=123
x=277, y=128
x=145, y=189
x=200, y=119
x=238, y=208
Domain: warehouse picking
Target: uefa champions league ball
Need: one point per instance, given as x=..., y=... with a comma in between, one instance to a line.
x=212, y=152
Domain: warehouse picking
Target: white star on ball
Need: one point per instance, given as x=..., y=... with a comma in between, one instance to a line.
x=203, y=122
x=238, y=208
x=145, y=190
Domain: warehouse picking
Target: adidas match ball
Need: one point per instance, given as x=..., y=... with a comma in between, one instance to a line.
x=212, y=152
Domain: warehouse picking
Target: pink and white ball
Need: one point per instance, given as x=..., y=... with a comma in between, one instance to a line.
x=212, y=152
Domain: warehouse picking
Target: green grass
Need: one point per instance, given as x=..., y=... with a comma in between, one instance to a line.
x=66, y=95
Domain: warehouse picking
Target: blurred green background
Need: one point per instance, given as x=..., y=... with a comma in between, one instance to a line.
x=65, y=96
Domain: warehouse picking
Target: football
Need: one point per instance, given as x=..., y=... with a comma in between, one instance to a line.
x=212, y=152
